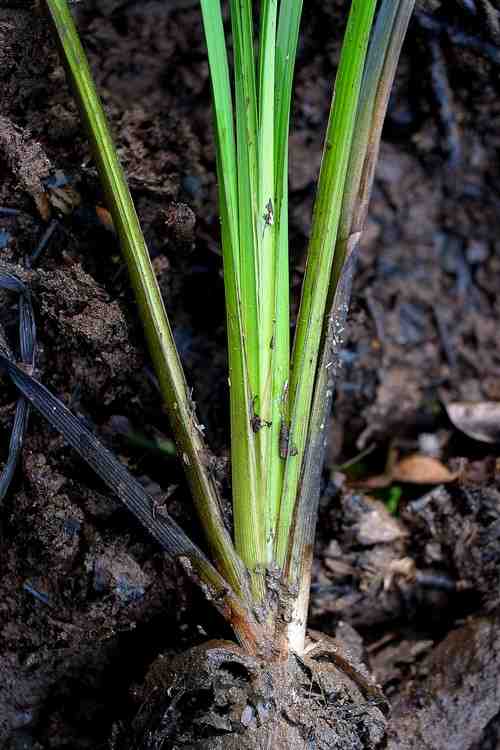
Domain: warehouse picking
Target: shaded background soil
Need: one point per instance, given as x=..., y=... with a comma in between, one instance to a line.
x=86, y=600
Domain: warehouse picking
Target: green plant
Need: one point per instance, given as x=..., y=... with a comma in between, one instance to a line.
x=278, y=401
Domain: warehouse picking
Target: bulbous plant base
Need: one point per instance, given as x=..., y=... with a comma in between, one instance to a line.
x=216, y=697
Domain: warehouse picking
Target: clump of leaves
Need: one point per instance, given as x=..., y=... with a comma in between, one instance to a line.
x=280, y=394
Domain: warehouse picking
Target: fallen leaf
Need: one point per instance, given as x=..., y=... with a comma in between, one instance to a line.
x=419, y=469
x=479, y=420
x=105, y=218
x=64, y=198
x=404, y=568
x=377, y=526
x=414, y=469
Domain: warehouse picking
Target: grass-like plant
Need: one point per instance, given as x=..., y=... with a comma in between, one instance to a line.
x=279, y=394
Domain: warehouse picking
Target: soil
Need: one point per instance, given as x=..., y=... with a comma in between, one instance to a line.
x=217, y=698
x=87, y=601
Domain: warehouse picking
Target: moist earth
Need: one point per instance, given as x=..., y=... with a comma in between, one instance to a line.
x=87, y=601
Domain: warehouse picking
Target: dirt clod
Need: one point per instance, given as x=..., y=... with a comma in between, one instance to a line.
x=217, y=697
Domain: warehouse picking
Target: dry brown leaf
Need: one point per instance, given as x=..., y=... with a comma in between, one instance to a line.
x=105, y=218
x=479, y=420
x=377, y=526
x=64, y=198
x=414, y=469
x=419, y=469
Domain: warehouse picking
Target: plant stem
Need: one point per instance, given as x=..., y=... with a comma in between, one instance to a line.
x=320, y=253
x=162, y=527
x=268, y=225
x=382, y=59
x=187, y=434
x=247, y=178
x=286, y=50
x=249, y=520
x=297, y=574
x=381, y=63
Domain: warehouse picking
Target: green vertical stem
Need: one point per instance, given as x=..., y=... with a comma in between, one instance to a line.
x=297, y=572
x=286, y=50
x=187, y=433
x=381, y=63
x=247, y=178
x=267, y=249
x=320, y=253
x=382, y=59
x=247, y=502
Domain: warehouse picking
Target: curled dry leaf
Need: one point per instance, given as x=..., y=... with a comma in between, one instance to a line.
x=419, y=469
x=479, y=420
x=413, y=469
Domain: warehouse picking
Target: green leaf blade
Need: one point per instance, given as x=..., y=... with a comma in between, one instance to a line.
x=247, y=500
x=320, y=251
x=190, y=444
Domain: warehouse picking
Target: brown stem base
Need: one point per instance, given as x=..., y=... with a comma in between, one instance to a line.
x=217, y=697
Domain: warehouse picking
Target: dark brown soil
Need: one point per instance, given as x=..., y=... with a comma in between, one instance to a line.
x=87, y=601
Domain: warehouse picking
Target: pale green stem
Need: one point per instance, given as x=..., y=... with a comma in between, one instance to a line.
x=247, y=178
x=382, y=59
x=286, y=50
x=187, y=433
x=267, y=250
x=249, y=524
x=320, y=252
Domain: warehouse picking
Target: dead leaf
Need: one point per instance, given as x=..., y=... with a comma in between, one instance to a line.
x=404, y=568
x=64, y=198
x=479, y=420
x=105, y=218
x=414, y=469
x=377, y=526
x=419, y=469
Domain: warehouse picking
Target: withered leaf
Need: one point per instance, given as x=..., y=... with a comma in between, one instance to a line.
x=414, y=469
x=420, y=469
x=377, y=526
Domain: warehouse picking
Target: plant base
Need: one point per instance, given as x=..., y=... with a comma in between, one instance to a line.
x=217, y=697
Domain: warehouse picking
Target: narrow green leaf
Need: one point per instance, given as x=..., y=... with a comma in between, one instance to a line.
x=286, y=53
x=161, y=344
x=247, y=503
x=286, y=49
x=267, y=249
x=247, y=177
x=381, y=62
x=224, y=125
x=320, y=252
